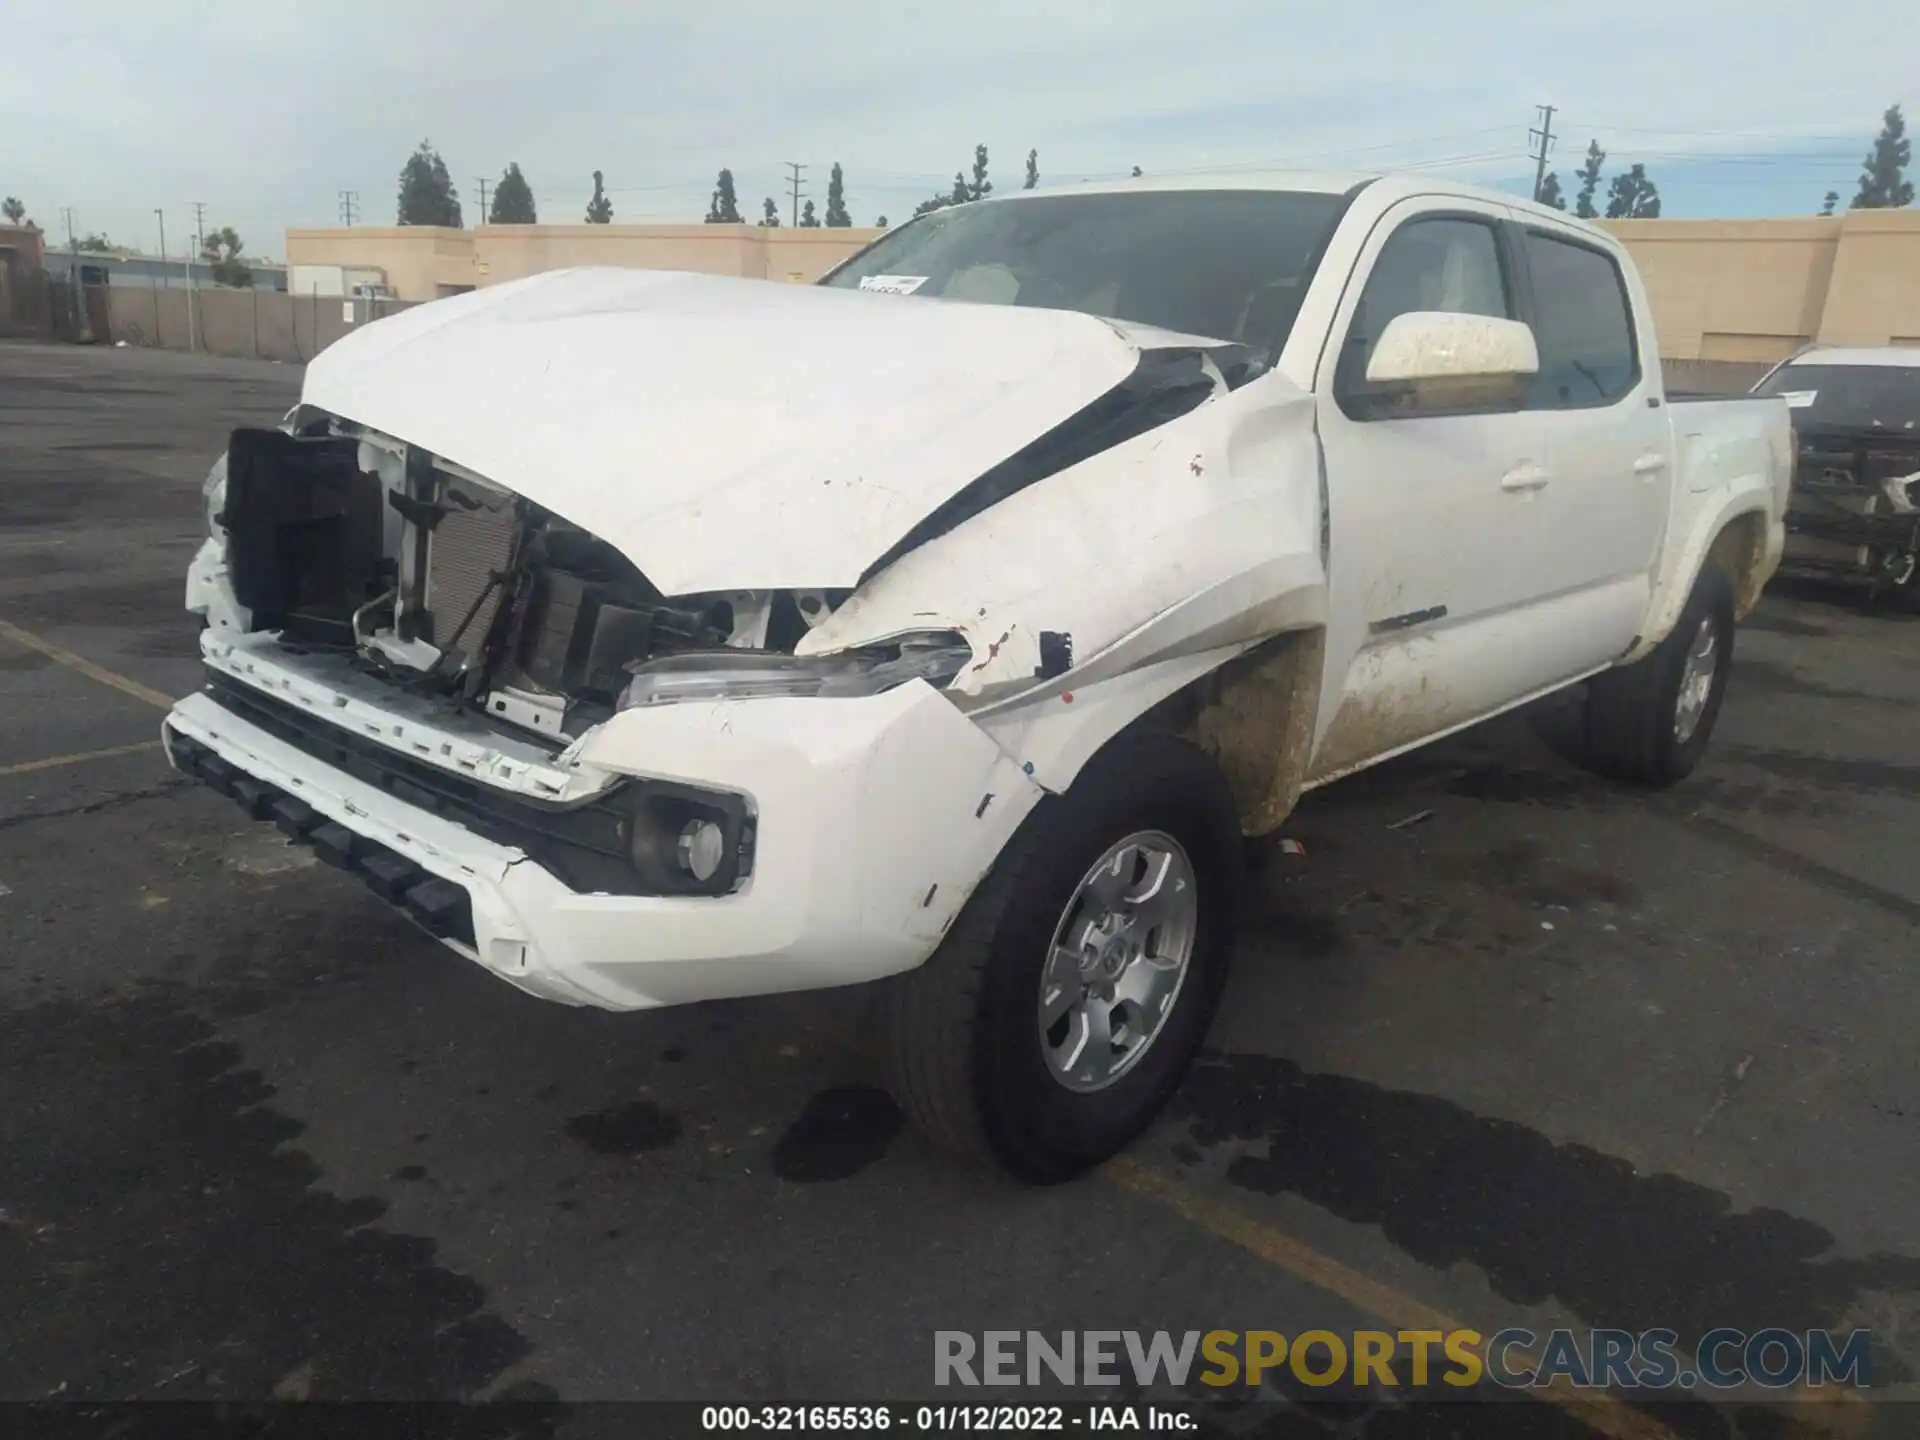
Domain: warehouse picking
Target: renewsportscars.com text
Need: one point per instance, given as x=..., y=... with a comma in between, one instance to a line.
x=1724, y=1359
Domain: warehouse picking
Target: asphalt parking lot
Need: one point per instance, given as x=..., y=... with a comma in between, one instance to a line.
x=1557, y=1054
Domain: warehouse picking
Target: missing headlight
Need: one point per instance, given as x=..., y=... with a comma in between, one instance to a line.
x=935, y=657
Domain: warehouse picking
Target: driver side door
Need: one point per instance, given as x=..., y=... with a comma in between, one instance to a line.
x=1427, y=626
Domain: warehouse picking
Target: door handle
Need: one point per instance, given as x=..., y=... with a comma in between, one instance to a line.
x=1649, y=464
x=1525, y=477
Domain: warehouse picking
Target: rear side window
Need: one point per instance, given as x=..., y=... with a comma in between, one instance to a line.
x=1583, y=324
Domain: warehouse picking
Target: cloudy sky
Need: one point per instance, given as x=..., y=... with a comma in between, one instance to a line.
x=268, y=111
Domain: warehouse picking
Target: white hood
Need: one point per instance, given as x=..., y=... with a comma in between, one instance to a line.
x=723, y=433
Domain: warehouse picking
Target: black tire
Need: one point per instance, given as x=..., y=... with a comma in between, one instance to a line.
x=959, y=1037
x=1630, y=713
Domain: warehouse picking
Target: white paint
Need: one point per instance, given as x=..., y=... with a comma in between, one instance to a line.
x=735, y=436
x=723, y=433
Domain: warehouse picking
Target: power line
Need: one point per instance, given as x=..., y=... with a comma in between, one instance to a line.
x=1732, y=134
x=349, y=202
x=794, y=184
x=1543, y=133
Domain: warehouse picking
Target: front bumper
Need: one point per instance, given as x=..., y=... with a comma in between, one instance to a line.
x=876, y=818
x=1833, y=542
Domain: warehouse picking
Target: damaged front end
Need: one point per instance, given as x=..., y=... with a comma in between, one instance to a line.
x=432, y=579
x=1854, y=512
x=469, y=672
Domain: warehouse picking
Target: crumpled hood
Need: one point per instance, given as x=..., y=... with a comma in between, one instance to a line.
x=723, y=433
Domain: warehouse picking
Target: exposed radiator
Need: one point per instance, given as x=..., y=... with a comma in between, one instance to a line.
x=465, y=550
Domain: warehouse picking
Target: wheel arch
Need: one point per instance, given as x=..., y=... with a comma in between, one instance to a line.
x=1739, y=538
x=1254, y=718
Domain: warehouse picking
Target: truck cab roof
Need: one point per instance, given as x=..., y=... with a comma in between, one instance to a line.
x=1323, y=182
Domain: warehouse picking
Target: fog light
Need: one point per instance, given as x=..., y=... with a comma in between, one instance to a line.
x=702, y=847
x=683, y=841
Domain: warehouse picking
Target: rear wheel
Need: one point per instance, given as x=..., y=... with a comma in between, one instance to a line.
x=1649, y=722
x=1068, y=999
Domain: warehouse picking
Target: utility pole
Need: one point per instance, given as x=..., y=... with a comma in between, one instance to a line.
x=1542, y=134
x=75, y=286
x=349, y=199
x=199, y=244
x=73, y=252
x=483, y=183
x=794, y=183
x=160, y=216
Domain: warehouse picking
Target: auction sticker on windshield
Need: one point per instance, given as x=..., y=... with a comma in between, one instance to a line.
x=1799, y=399
x=892, y=284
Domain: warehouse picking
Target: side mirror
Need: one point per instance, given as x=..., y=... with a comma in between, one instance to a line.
x=1429, y=345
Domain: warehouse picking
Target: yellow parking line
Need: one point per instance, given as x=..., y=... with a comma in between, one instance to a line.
x=62, y=656
x=1601, y=1412
x=54, y=762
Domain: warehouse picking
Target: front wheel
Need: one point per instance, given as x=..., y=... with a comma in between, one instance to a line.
x=1072, y=992
x=1649, y=722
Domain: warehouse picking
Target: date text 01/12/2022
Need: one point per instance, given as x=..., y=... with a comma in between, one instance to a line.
x=945, y=1418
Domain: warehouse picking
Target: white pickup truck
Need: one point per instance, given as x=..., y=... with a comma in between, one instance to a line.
x=654, y=637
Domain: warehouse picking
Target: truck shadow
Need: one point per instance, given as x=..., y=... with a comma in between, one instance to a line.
x=1542, y=1221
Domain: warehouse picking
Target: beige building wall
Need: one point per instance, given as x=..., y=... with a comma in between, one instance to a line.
x=1756, y=290
x=1734, y=292
x=1874, y=296
x=421, y=262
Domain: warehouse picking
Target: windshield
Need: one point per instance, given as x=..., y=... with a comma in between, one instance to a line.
x=1224, y=264
x=1852, y=397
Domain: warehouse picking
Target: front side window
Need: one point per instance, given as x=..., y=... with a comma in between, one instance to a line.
x=1446, y=264
x=1221, y=264
x=1583, y=325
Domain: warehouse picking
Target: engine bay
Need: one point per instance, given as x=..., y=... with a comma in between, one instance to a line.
x=434, y=580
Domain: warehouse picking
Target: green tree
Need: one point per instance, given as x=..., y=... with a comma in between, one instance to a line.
x=1833, y=199
x=95, y=243
x=1550, y=192
x=1136, y=172
x=1589, y=174
x=1883, y=174
x=13, y=209
x=512, y=200
x=427, y=196
x=221, y=249
x=599, y=208
x=808, y=220
x=837, y=217
x=1632, y=196
x=769, y=214
x=880, y=222
x=963, y=190
x=724, y=207
x=1033, y=170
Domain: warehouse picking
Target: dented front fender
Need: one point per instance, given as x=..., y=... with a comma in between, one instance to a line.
x=1092, y=594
